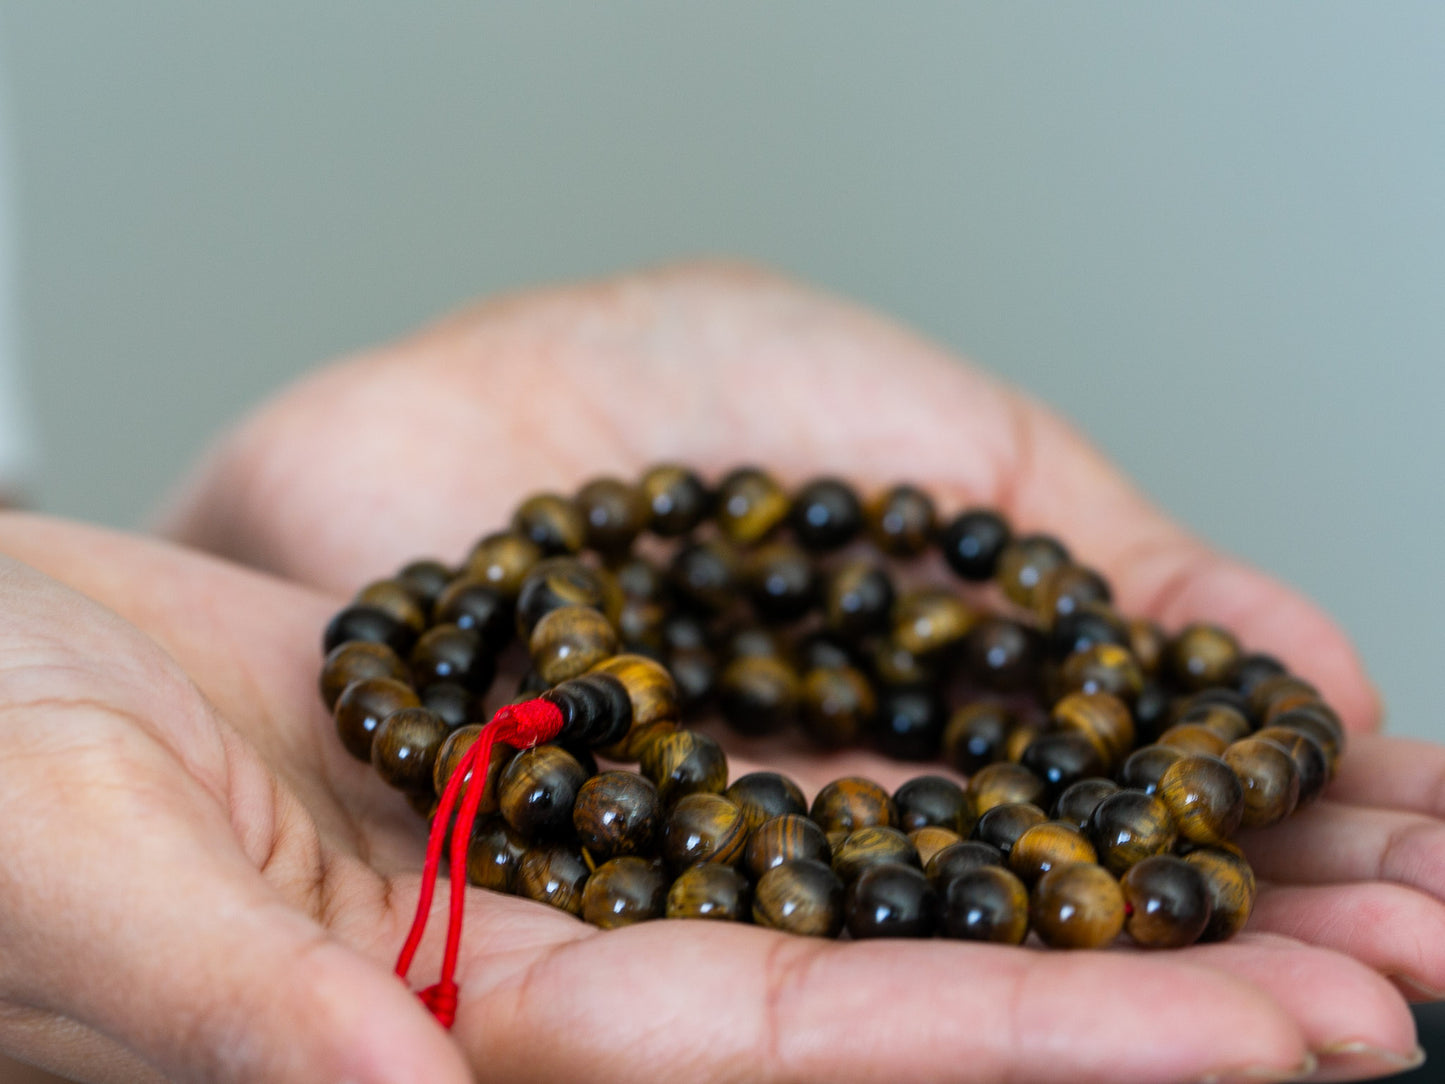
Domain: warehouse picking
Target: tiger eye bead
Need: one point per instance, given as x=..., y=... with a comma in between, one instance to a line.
x=563, y=581
x=902, y=521
x=852, y=802
x=501, y=561
x=1061, y=758
x=653, y=695
x=707, y=574
x=836, y=705
x=456, y=704
x=569, y=641
x=1130, y=826
x=782, y=839
x=471, y=603
x=802, y=897
x=1193, y=739
x=972, y=543
x=615, y=814
x=552, y=522
x=1045, y=846
x=449, y=653
x=404, y=749
x=1146, y=765
x=623, y=892
x=1002, y=783
x=1202, y=655
x=1252, y=669
x=765, y=795
x=929, y=840
x=892, y=665
x=1147, y=643
x=1270, y=780
x=1025, y=562
x=704, y=828
x=1102, y=718
x=369, y=625
x=425, y=578
x=1064, y=589
x=1225, y=720
x=975, y=734
x=1003, y=655
x=1205, y=798
x=554, y=874
x=1231, y=887
x=908, y=724
x=1077, y=804
x=960, y=858
x=826, y=515
x=931, y=622
x=494, y=854
x=868, y=847
x=1077, y=906
x=984, y=904
x=750, y=506
x=537, y=790
x=1087, y=626
x=395, y=598
x=758, y=694
x=1319, y=723
x=890, y=900
x=710, y=891
x=357, y=660
x=1002, y=825
x=449, y=758
x=857, y=598
x=685, y=762
x=781, y=582
x=613, y=514
x=1166, y=901
x=363, y=705
x=1151, y=712
x=1309, y=759
x=677, y=499
x=1103, y=668
x=928, y=801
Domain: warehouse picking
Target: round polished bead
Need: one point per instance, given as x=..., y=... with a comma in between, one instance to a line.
x=616, y=813
x=704, y=827
x=494, y=854
x=537, y=790
x=822, y=650
x=902, y=521
x=1002, y=825
x=370, y=625
x=909, y=722
x=613, y=514
x=552, y=522
x=653, y=696
x=1321, y=724
x=1251, y=669
x=1077, y=906
x=826, y=515
x=502, y=560
x=931, y=622
x=404, y=749
x=893, y=665
x=677, y=499
x=987, y=903
x=397, y=599
x=1226, y=720
x=765, y=795
x=363, y=705
x=1064, y=589
x=864, y=848
x=852, y=802
x=1202, y=655
x=695, y=672
x=1085, y=627
x=857, y=598
x=623, y=892
x=801, y=897
x=957, y=858
x=1077, y=803
x=710, y=891
x=1104, y=719
x=750, y=505
x=1309, y=759
x=890, y=900
x=563, y=581
x=1147, y=643
x=1152, y=712
x=569, y=641
x=449, y=653
x=1130, y=826
x=685, y=762
x=1193, y=739
x=1231, y=887
x=1103, y=668
x=758, y=694
x=836, y=706
x=1046, y=846
x=931, y=801
x=1003, y=655
x=357, y=660
x=1204, y=796
x=425, y=578
x=972, y=543
x=1060, y=758
x=554, y=874
x=975, y=734
x=449, y=758
x=1002, y=783
x=783, y=838
x=1025, y=562
x=1270, y=780
x=471, y=603
x=1146, y=765
x=929, y=840
x=781, y=582
x=707, y=574
x=1167, y=902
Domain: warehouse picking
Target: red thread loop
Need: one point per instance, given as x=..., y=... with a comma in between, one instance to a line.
x=522, y=725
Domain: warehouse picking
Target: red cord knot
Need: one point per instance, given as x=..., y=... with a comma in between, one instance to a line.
x=524, y=725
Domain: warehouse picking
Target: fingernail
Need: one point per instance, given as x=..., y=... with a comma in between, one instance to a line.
x=1417, y=991
x=1264, y=1074
x=1352, y=1060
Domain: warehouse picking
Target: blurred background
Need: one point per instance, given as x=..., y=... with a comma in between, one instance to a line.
x=1213, y=235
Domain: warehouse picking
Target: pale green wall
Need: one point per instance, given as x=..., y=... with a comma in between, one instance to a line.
x=1213, y=234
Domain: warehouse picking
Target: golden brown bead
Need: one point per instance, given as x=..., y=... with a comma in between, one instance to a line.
x=1064, y=589
x=1205, y=798
x=928, y=841
x=613, y=513
x=616, y=814
x=1025, y=562
x=710, y=891
x=758, y=694
x=404, y=749
x=850, y=803
x=1320, y=723
x=685, y=762
x=782, y=839
x=1103, y=668
x=930, y=622
x=975, y=734
x=1077, y=906
x=1001, y=783
x=1231, y=886
x=765, y=795
x=569, y=641
x=1147, y=643
x=1130, y=826
x=676, y=499
x=902, y=521
x=872, y=846
x=1280, y=693
x=502, y=561
x=553, y=873
x=1002, y=825
x=750, y=505
x=984, y=904
x=552, y=522
x=450, y=756
x=356, y=660
x=397, y=599
x=494, y=855
x=537, y=789
x=1202, y=655
x=836, y=706
x=1167, y=902
x=1104, y=719
x=362, y=706
x=704, y=828
x=893, y=665
x=1309, y=759
x=564, y=581
x=1270, y=780
x=1228, y=722
x=801, y=897
x=654, y=700
x=1046, y=846
x=1193, y=739
x=623, y=892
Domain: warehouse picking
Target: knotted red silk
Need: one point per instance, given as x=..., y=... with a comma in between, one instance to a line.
x=522, y=726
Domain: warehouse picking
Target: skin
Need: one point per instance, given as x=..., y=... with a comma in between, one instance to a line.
x=221, y=891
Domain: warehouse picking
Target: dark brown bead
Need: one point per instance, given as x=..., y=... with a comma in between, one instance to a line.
x=501, y=561
x=707, y=574
x=1130, y=826
x=623, y=892
x=1202, y=655
x=1193, y=739
x=1321, y=724
x=929, y=840
x=765, y=795
x=1151, y=712
x=908, y=723
x=469, y=602
x=1060, y=758
x=802, y=897
x=613, y=513
x=537, y=790
x=1103, y=668
x=1231, y=887
x=1270, y=780
x=858, y=598
x=1281, y=693
x=1147, y=643
x=1088, y=625
x=363, y=705
x=1077, y=906
x=710, y=891
x=704, y=828
x=1025, y=562
x=494, y=855
x=1228, y=722
x=975, y=734
x=1003, y=655
x=367, y=624
x=931, y=622
x=850, y=803
x=1254, y=668
x=1077, y=804
x=616, y=813
x=449, y=653
x=959, y=858
x=653, y=694
x=357, y=660
x=931, y=801
x=902, y=521
x=405, y=746
x=1146, y=765
x=984, y=904
x=552, y=522
x=425, y=578
x=1003, y=783
x=1309, y=759
x=758, y=694
x=1205, y=798
x=695, y=673
x=397, y=599
x=1167, y=902
x=893, y=665
x=750, y=505
x=553, y=873
x=867, y=847
x=596, y=711
x=564, y=581
x=1002, y=825
x=781, y=582
x=685, y=762
x=1064, y=589
x=458, y=706
x=973, y=542
x=890, y=900
x=569, y=641
x=826, y=515
x=1046, y=846
x=1102, y=718
x=449, y=757
x=821, y=650
x=836, y=706
x=782, y=839
x=677, y=499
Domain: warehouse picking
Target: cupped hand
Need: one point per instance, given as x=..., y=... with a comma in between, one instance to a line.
x=426, y=445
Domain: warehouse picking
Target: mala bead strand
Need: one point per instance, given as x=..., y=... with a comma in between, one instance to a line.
x=1107, y=762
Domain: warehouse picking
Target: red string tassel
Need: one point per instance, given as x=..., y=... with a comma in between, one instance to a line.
x=522, y=725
